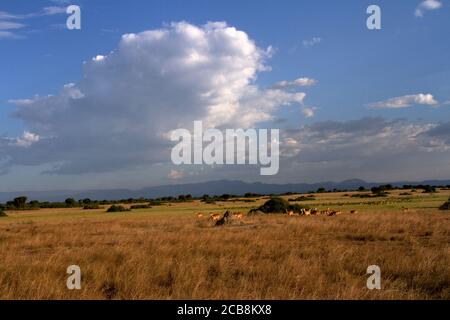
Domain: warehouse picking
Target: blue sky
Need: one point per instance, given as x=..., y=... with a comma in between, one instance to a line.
x=354, y=68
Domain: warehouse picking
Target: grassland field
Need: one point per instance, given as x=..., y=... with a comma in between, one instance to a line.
x=167, y=252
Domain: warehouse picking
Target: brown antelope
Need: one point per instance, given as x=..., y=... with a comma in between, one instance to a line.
x=354, y=211
x=199, y=215
x=290, y=213
x=307, y=212
x=315, y=211
x=237, y=215
x=333, y=213
x=214, y=216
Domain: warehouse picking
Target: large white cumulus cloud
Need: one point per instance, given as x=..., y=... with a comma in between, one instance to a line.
x=119, y=114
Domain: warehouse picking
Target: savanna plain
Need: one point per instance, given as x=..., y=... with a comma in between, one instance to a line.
x=170, y=252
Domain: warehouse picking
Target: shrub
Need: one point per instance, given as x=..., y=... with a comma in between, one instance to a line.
x=303, y=198
x=141, y=206
x=155, y=203
x=2, y=213
x=70, y=202
x=118, y=208
x=91, y=206
x=446, y=205
x=363, y=195
x=429, y=189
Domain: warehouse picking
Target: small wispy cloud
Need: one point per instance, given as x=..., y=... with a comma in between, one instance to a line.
x=175, y=175
x=49, y=11
x=300, y=82
x=427, y=5
x=61, y=2
x=311, y=42
x=8, y=21
x=21, y=102
x=308, y=112
x=405, y=101
x=26, y=140
x=7, y=34
x=7, y=25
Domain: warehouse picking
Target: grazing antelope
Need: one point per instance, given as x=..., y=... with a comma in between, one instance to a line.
x=214, y=216
x=199, y=215
x=307, y=212
x=315, y=211
x=354, y=211
x=238, y=215
x=290, y=213
x=332, y=213
x=223, y=219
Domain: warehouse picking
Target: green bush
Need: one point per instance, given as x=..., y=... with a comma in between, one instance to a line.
x=275, y=205
x=303, y=198
x=118, y=208
x=141, y=206
x=91, y=206
x=446, y=205
x=278, y=205
x=2, y=213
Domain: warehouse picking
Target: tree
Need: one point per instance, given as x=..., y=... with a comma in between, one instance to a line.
x=361, y=188
x=320, y=190
x=70, y=202
x=86, y=201
x=20, y=202
x=205, y=197
x=429, y=189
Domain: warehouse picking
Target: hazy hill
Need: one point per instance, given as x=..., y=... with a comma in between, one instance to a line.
x=198, y=189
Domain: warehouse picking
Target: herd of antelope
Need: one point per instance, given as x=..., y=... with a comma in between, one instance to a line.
x=221, y=219
x=315, y=212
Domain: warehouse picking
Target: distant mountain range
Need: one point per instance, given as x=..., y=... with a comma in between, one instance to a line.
x=198, y=189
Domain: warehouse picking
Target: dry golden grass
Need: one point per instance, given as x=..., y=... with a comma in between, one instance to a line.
x=168, y=253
